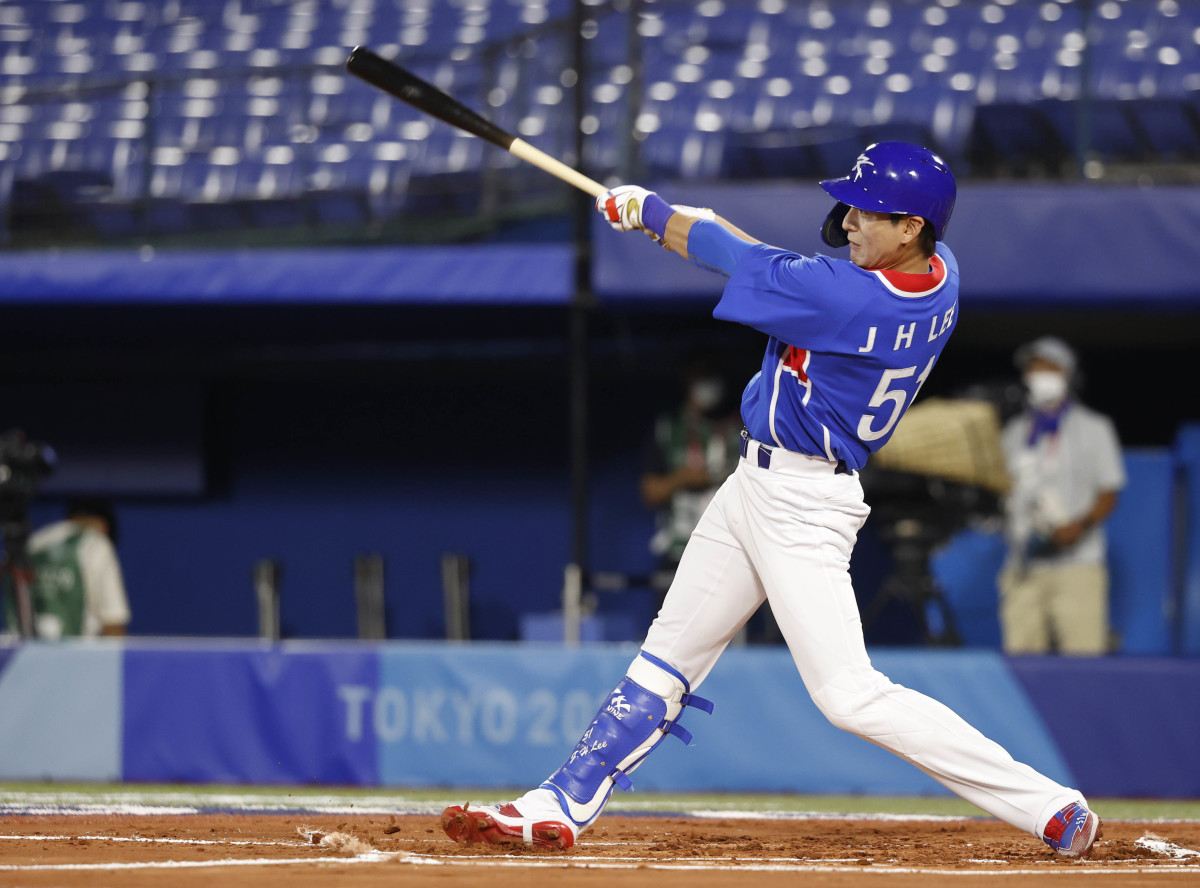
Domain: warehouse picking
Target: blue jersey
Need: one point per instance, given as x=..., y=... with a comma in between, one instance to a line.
x=848, y=351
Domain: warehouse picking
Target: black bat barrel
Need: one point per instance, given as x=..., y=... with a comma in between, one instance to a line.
x=411, y=89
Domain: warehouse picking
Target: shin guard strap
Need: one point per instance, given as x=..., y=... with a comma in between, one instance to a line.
x=679, y=731
x=665, y=667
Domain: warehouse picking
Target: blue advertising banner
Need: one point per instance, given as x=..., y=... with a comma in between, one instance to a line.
x=507, y=274
x=766, y=734
x=60, y=711
x=484, y=715
x=245, y=713
x=1129, y=724
x=499, y=716
x=489, y=715
x=1154, y=226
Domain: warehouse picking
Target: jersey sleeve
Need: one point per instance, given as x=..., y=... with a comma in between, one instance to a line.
x=714, y=247
x=1011, y=438
x=803, y=301
x=104, y=585
x=1109, y=464
x=653, y=457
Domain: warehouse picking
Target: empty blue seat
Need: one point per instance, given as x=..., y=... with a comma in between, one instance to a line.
x=1017, y=139
x=785, y=87
x=1170, y=126
x=684, y=153
x=1110, y=134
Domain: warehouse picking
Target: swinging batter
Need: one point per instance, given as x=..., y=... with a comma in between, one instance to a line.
x=850, y=344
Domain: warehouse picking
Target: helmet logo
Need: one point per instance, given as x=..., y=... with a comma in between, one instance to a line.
x=862, y=161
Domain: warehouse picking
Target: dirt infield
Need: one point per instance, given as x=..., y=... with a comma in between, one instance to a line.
x=364, y=851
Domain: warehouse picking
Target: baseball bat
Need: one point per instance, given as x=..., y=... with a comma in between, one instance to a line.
x=409, y=88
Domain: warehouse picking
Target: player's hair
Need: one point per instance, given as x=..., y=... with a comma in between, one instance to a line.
x=88, y=507
x=926, y=240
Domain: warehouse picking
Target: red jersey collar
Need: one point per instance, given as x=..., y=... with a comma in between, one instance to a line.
x=906, y=283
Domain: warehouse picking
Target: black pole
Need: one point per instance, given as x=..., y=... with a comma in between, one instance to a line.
x=580, y=310
x=630, y=146
x=1087, y=97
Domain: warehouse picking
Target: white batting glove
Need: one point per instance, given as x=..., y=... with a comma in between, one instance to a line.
x=622, y=207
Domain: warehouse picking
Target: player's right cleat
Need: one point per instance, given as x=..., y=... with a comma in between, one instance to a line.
x=1072, y=831
x=539, y=822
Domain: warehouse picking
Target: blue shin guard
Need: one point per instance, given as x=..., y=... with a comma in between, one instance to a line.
x=634, y=719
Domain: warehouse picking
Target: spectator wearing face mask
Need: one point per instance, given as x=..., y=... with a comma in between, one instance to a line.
x=1065, y=464
x=693, y=450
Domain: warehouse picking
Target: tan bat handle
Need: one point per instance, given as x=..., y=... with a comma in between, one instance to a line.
x=556, y=168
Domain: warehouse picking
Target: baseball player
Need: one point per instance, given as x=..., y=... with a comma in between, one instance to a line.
x=849, y=345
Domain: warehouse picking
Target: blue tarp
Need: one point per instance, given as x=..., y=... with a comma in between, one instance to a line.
x=1187, y=449
x=508, y=274
x=504, y=715
x=1118, y=720
x=1019, y=247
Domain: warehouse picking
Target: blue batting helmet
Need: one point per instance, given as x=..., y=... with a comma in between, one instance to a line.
x=892, y=177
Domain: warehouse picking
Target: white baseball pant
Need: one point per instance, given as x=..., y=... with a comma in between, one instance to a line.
x=785, y=534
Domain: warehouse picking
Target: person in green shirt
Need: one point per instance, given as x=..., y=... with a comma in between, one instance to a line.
x=78, y=588
x=693, y=450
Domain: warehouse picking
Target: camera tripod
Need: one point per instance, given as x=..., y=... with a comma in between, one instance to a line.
x=16, y=574
x=911, y=583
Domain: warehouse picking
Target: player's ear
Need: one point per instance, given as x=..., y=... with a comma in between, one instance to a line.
x=912, y=228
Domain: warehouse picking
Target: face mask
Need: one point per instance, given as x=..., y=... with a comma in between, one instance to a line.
x=707, y=393
x=1046, y=388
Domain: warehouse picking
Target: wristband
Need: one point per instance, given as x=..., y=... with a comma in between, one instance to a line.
x=655, y=213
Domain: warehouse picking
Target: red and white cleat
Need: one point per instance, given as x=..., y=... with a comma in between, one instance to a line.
x=507, y=825
x=1073, y=831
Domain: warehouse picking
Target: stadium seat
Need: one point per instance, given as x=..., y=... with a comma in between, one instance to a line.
x=1110, y=132
x=1015, y=139
x=731, y=87
x=1170, y=126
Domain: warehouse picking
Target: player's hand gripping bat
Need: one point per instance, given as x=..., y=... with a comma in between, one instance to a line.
x=407, y=87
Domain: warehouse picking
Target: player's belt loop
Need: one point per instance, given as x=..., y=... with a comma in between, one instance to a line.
x=764, y=452
x=764, y=457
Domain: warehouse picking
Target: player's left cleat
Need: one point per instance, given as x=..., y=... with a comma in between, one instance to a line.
x=1072, y=831
x=539, y=822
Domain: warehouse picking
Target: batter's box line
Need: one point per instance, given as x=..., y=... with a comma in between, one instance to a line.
x=690, y=865
x=151, y=840
x=195, y=864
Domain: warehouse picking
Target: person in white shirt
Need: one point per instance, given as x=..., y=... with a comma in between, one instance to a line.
x=78, y=589
x=1065, y=464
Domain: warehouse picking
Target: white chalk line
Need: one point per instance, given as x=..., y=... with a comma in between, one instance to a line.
x=719, y=864
x=768, y=865
x=150, y=840
x=182, y=803
x=226, y=805
x=261, y=804
x=194, y=864
x=87, y=810
x=678, y=865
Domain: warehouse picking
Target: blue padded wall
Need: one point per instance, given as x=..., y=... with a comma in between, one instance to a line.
x=1187, y=450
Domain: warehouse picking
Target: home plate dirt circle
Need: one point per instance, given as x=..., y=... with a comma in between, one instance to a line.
x=377, y=849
